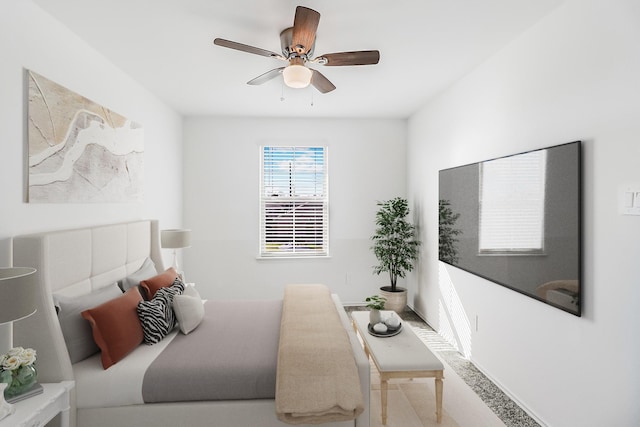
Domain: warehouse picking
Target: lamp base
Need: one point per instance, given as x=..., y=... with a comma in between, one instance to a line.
x=6, y=337
x=6, y=343
x=176, y=267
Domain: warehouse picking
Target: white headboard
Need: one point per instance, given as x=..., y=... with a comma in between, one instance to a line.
x=75, y=262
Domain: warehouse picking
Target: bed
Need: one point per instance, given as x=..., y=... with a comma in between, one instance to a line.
x=76, y=263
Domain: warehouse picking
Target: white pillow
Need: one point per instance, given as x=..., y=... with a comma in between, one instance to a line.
x=146, y=271
x=189, y=309
x=191, y=291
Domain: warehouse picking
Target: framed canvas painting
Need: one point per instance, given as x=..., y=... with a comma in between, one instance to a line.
x=78, y=150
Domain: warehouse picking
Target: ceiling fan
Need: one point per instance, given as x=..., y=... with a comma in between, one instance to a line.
x=298, y=43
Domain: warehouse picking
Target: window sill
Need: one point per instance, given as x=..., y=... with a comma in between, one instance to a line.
x=287, y=257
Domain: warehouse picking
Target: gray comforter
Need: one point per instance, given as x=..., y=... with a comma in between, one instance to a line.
x=231, y=355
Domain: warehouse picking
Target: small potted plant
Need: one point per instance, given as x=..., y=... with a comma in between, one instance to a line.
x=375, y=303
x=396, y=248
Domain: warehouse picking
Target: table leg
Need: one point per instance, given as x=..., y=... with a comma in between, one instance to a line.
x=383, y=394
x=439, y=399
x=64, y=418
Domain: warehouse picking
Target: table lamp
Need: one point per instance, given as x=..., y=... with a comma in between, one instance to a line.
x=175, y=239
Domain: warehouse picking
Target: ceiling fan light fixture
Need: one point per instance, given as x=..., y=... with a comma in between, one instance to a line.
x=297, y=76
x=297, y=44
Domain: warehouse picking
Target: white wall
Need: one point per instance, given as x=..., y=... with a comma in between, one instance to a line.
x=31, y=39
x=573, y=76
x=222, y=162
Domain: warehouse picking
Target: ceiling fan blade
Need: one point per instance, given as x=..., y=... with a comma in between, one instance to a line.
x=247, y=48
x=321, y=83
x=362, y=57
x=305, y=25
x=263, y=78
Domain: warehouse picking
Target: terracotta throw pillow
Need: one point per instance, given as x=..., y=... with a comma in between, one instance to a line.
x=116, y=327
x=162, y=280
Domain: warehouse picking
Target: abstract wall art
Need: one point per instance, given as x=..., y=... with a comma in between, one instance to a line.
x=79, y=151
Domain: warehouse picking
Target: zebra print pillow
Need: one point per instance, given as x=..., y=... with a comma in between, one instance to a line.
x=157, y=316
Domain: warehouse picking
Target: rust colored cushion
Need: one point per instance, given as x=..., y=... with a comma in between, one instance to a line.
x=116, y=326
x=162, y=280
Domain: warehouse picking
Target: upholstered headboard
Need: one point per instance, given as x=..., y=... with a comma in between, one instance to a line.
x=76, y=262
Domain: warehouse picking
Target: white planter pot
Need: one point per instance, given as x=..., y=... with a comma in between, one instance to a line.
x=396, y=301
x=374, y=316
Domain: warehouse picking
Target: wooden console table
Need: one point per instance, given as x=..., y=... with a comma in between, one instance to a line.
x=400, y=356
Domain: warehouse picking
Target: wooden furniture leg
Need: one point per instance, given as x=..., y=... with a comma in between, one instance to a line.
x=439, y=399
x=384, y=385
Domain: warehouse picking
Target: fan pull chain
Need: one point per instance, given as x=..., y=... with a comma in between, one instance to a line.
x=282, y=93
x=312, y=98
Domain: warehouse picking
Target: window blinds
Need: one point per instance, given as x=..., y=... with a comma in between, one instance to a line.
x=294, y=202
x=512, y=199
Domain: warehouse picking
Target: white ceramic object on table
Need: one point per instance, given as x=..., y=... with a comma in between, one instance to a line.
x=374, y=316
x=380, y=328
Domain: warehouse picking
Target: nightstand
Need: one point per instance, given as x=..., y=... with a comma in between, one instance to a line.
x=38, y=410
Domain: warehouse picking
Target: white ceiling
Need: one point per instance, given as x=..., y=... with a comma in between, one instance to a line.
x=425, y=45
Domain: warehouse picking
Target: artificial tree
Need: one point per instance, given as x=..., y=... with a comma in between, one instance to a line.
x=394, y=242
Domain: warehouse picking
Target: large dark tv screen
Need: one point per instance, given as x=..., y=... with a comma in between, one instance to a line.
x=516, y=221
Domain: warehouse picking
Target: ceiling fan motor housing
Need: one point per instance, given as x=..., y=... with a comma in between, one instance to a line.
x=286, y=44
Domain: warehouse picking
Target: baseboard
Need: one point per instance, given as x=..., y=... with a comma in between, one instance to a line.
x=421, y=316
x=354, y=304
x=511, y=395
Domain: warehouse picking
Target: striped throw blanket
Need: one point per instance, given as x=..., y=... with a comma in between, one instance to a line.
x=317, y=378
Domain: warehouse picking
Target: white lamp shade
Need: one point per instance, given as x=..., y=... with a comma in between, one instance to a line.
x=297, y=76
x=175, y=239
x=18, y=293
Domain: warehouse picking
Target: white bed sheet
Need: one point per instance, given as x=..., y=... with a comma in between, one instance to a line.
x=121, y=384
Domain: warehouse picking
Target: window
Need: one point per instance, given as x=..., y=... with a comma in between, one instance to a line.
x=294, y=202
x=512, y=198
